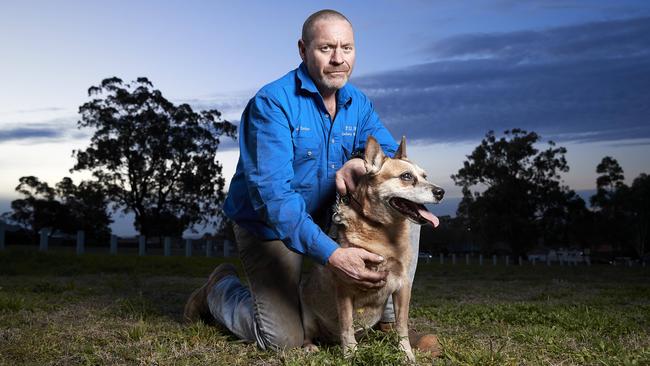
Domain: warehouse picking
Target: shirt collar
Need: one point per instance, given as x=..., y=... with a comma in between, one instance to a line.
x=343, y=96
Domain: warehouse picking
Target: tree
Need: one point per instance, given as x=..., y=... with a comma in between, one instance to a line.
x=639, y=202
x=622, y=211
x=610, y=206
x=87, y=207
x=607, y=183
x=154, y=158
x=38, y=209
x=512, y=192
x=66, y=208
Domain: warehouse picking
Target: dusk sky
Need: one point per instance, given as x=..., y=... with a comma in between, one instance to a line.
x=442, y=73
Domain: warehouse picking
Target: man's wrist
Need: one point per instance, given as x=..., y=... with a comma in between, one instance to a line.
x=324, y=249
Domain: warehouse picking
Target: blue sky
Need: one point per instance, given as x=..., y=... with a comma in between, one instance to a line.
x=442, y=73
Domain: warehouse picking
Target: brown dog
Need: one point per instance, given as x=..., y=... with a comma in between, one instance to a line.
x=376, y=218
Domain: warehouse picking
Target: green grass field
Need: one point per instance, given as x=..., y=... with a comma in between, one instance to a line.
x=59, y=309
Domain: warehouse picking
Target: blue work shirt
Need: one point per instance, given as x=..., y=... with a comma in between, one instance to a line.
x=290, y=151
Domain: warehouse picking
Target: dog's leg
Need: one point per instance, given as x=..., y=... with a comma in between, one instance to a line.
x=344, y=307
x=401, y=300
x=310, y=327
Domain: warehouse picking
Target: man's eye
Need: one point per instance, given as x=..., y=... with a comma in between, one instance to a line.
x=406, y=176
x=325, y=48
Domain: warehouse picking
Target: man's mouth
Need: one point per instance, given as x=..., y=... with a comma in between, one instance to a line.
x=414, y=211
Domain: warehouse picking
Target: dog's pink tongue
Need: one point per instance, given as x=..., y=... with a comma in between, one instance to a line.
x=429, y=217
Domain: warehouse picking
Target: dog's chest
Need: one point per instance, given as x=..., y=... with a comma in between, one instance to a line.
x=369, y=305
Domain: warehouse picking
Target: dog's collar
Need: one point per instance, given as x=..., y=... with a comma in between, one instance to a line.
x=347, y=200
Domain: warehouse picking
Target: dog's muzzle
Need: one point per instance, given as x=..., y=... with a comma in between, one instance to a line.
x=438, y=193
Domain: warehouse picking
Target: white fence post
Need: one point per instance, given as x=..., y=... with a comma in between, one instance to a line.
x=113, y=249
x=494, y=259
x=442, y=258
x=453, y=258
x=167, y=246
x=2, y=235
x=81, y=242
x=208, y=248
x=480, y=259
x=507, y=260
x=466, y=259
x=142, y=245
x=521, y=261
x=188, y=247
x=42, y=246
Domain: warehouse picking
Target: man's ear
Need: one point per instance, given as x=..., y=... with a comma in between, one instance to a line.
x=374, y=156
x=401, y=150
x=302, y=49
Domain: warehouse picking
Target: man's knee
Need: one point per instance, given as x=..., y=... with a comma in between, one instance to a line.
x=280, y=339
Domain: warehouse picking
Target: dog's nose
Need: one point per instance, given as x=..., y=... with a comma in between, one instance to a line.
x=438, y=193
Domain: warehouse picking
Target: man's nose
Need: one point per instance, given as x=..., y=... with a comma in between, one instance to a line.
x=337, y=56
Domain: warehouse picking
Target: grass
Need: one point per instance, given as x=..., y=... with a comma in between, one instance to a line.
x=59, y=309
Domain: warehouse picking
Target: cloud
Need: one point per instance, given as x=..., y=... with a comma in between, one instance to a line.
x=33, y=110
x=22, y=133
x=56, y=129
x=588, y=82
x=230, y=105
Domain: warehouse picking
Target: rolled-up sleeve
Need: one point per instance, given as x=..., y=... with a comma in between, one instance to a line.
x=266, y=150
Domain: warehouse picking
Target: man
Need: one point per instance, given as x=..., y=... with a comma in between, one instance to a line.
x=295, y=134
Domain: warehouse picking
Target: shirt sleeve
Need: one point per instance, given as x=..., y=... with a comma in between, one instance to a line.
x=372, y=126
x=266, y=149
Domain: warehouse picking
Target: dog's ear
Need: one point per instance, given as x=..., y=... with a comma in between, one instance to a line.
x=401, y=150
x=374, y=156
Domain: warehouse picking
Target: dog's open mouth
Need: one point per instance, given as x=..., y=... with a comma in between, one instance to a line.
x=414, y=211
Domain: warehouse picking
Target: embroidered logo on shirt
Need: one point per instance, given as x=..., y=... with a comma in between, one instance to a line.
x=349, y=131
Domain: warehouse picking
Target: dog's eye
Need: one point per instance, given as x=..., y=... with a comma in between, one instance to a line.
x=406, y=176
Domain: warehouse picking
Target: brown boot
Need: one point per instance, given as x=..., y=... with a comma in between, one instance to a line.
x=421, y=341
x=196, y=307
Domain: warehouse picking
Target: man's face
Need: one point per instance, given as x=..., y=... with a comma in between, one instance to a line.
x=329, y=56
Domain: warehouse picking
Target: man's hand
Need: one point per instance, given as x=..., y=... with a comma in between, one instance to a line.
x=350, y=265
x=348, y=176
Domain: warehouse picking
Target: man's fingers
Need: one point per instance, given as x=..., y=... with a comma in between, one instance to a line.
x=372, y=276
x=370, y=257
x=370, y=285
x=340, y=184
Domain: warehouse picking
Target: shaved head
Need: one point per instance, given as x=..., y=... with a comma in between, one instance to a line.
x=325, y=14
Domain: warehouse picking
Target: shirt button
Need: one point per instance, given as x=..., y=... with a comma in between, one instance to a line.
x=332, y=141
x=309, y=153
x=333, y=166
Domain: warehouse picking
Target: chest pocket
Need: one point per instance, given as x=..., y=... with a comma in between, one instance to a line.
x=306, y=157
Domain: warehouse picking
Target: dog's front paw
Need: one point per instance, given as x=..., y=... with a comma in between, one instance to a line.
x=406, y=347
x=410, y=357
x=310, y=348
x=349, y=349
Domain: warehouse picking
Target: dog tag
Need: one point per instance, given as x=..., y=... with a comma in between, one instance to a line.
x=336, y=218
